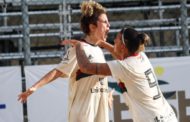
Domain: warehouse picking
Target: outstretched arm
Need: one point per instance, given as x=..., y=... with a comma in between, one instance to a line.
x=49, y=77
x=90, y=68
x=100, y=43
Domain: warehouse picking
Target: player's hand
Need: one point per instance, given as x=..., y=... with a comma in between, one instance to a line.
x=100, y=43
x=110, y=99
x=24, y=95
x=72, y=42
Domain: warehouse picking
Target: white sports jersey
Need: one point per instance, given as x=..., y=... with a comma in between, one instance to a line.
x=144, y=97
x=88, y=94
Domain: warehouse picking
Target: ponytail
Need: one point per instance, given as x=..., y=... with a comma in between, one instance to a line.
x=143, y=38
x=133, y=39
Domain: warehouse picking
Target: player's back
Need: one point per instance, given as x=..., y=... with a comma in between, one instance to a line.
x=146, y=99
x=143, y=96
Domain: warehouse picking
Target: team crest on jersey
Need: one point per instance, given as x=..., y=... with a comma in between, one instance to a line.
x=90, y=57
x=159, y=119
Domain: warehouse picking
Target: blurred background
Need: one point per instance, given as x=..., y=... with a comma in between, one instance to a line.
x=30, y=30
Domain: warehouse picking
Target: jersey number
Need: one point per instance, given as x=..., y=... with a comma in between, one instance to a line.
x=152, y=83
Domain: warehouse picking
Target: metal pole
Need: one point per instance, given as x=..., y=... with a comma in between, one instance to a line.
x=65, y=19
x=20, y=45
x=184, y=27
x=26, y=47
x=161, y=17
x=4, y=12
x=69, y=21
x=177, y=34
x=61, y=21
x=25, y=112
x=26, y=32
x=160, y=10
x=65, y=22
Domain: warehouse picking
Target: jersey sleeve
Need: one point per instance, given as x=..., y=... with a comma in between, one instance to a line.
x=115, y=69
x=68, y=63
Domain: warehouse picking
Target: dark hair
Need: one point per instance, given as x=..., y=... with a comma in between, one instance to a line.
x=91, y=10
x=133, y=39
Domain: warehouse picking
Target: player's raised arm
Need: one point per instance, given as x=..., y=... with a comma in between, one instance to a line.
x=103, y=44
x=109, y=47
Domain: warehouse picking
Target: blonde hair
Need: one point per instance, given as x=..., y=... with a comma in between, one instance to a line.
x=90, y=11
x=89, y=7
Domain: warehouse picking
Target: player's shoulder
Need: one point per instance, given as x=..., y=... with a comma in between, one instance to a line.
x=84, y=44
x=114, y=63
x=143, y=54
x=71, y=49
x=70, y=52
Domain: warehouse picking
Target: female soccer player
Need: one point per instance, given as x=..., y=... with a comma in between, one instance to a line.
x=144, y=97
x=88, y=94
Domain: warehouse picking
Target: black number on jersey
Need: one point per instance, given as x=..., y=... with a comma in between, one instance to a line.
x=152, y=83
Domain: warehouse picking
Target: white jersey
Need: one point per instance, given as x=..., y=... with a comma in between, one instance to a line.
x=144, y=97
x=88, y=94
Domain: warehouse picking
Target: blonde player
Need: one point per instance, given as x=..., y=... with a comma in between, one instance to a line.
x=88, y=94
x=144, y=97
